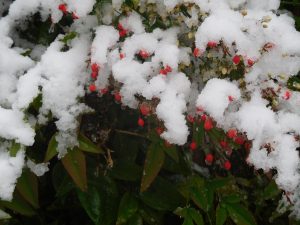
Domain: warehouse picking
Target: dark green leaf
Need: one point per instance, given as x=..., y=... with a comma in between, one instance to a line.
x=200, y=198
x=91, y=202
x=135, y=220
x=18, y=204
x=271, y=191
x=233, y=198
x=124, y=170
x=75, y=164
x=27, y=186
x=127, y=208
x=221, y=215
x=15, y=147
x=52, y=149
x=68, y=37
x=239, y=214
x=172, y=152
x=154, y=160
x=87, y=145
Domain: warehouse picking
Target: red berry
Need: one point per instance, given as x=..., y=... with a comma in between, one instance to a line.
x=95, y=67
x=236, y=59
x=122, y=55
x=250, y=62
x=231, y=133
x=208, y=125
x=144, y=109
x=287, y=95
x=196, y=52
x=159, y=130
x=230, y=98
x=247, y=146
x=74, y=16
x=203, y=117
x=94, y=75
x=193, y=146
x=239, y=140
x=92, y=87
x=122, y=33
x=227, y=165
x=190, y=118
x=63, y=8
x=168, y=69
x=163, y=72
x=209, y=158
x=103, y=91
x=141, y=122
x=144, y=54
x=120, y=26
x=117, y=97
x=223, y=144
x=212, y=44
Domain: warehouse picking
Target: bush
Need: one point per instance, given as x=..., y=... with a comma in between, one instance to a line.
x=149, y=112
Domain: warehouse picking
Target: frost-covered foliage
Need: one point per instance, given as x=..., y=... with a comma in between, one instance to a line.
x=228, y=59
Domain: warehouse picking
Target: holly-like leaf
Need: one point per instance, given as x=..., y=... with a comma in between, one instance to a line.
x=190, y=214
x=75, y=164
x=87, y=145
x=91, y=202
x=154, y=160
x=19, y=204
x=221, y=215
x=27, y=186
x=52, y=149
x=239, y=214
x=127, y=208
x=15, y=147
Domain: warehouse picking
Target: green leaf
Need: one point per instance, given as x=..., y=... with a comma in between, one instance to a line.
x=151, y=216
x=127, y=208
x=124, y=170
x=52, y=149
x=239, y=214
x=271, y=191
x=4, y=215
x=188, y=221
x=15, y=147
x=75, y=164
x=233, y=198
x=190, y=214
x=200, y=198
x=161, y=198
x=219, y=183
x=154, y=160
x=172, y=152
x=68, y=37
x=221, y=215
x=19, y=205
x=136, y=219
x=27, y=186
x=87, y=145
x=91, y=202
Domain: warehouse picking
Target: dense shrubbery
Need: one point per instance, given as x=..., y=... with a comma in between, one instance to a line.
x=149, y=112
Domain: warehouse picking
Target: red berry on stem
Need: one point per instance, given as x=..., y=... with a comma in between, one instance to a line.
x=159, y=130
x=239, y=140
x=94, y=75
x=141, y=122
x=196, y=52
x=63, y=8
x=236, y=59
x=231, y=133
x=144, y=54
x=122, y=55
x=117, y=97
x=212, y=44
x=203, y=117
x=230, y=98
x=103, y=91
x=122, y=33
x=193, y=145
x=250, y=62
x=190, y=118
x=168, y=69
x=208, y=125
x=227, y=165
x=287, y=95
x=144, y=109
x=95, y=67
x=163, y=72
x=120, y=26
x=209, y=158
x=92, y=87
x=223, y=144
